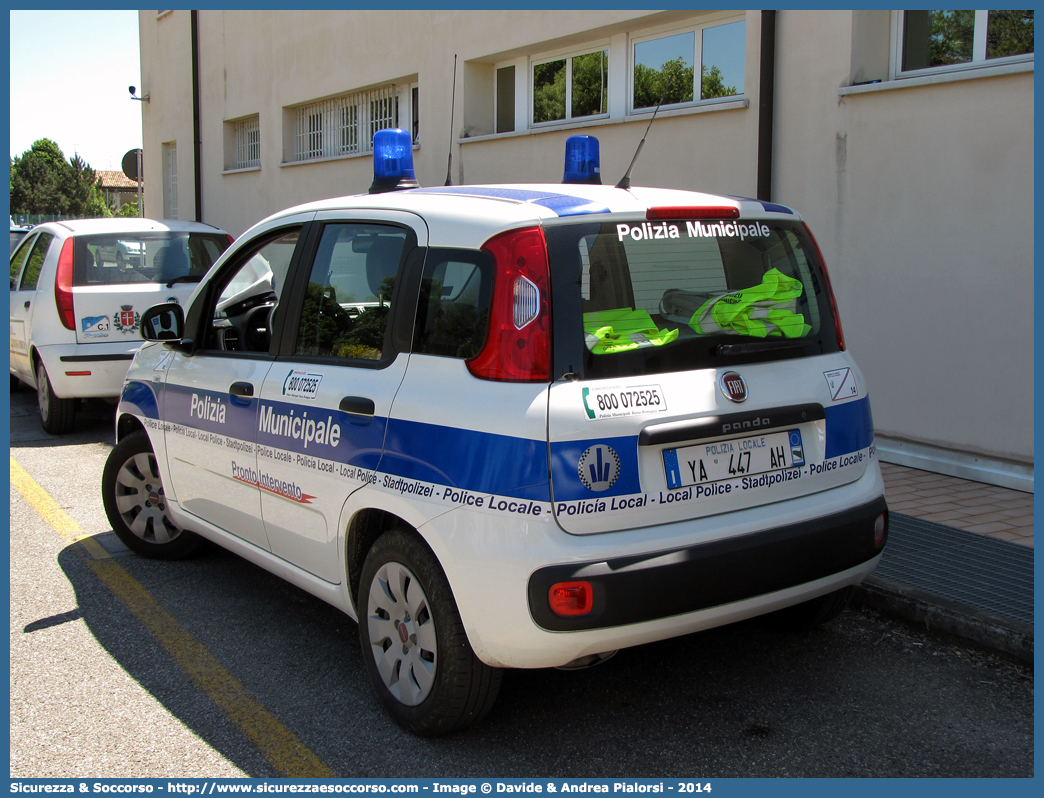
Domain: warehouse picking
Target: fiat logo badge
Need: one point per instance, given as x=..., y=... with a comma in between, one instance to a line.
x=733, y=386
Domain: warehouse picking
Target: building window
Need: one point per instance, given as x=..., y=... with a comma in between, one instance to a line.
x=664, y=66
x=570, y=87
x=344, y=125
x=505, y=102
x=247, y=143
x=170, y=180
x=941, y=41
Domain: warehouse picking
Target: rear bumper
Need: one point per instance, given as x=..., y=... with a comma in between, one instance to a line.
x=95, y=370
x=630, y=590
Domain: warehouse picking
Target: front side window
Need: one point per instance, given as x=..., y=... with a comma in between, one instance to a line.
x=571, y=87
x=350, y=292
x=240, y=319
x=648, y=297
x=944, y=40
x=665, y=66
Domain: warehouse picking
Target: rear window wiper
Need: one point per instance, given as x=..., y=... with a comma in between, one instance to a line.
x=185, y=278
x=726, y=350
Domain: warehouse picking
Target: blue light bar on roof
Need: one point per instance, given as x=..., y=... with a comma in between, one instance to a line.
x=392, y=161
x=581, y=161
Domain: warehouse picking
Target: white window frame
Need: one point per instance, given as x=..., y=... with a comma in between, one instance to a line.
x=343, y=126
x=979, y=60
x=697, y=30
x=567, y=56
x=246, y=143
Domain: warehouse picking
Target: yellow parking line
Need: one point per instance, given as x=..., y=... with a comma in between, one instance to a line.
x=280, y=746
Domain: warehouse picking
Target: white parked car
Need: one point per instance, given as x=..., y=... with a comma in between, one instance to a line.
x=510, y=426
x=18, y=232
x=78, y=289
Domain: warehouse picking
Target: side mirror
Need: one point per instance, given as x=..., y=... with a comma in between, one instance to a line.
x=164, y=322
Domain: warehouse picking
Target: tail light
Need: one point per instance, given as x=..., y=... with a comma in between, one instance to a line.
x=231, y=240
x=518, y=343
x=63, y=280
x=829, y=290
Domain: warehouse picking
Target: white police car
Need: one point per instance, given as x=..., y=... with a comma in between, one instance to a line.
x=510, y=426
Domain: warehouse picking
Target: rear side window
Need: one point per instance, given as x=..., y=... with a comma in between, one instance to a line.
x=649, y=297
x=35, y=262
x=453, y=312
x=160, y=257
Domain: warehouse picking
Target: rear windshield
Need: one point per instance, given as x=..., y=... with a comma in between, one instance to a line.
x=654, y=297
x=145, y=257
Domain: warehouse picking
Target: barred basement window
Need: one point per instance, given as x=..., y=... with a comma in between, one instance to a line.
x=344, y=125
x=247, y=143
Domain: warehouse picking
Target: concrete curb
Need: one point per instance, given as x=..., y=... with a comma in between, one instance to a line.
x=978, y=626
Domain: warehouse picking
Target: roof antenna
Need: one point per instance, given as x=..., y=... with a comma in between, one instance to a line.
x=453, y=102
x=625, y=181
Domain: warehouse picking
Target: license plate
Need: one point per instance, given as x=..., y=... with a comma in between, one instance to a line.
x=733, y=459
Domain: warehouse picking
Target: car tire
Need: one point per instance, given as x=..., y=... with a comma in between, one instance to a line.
x=414, y=643
x=56, y=415
x=16, y=383
x=134, y=500
x=810, y=614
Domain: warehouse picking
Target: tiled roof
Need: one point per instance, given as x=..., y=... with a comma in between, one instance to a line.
x=110, y=179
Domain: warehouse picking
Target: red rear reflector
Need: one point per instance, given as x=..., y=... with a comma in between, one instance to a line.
x=571, y=598
x=77, y=374
x=63, y=279
x=829, y=289
x=879, y=530
x=696, y=212
x=518, y=342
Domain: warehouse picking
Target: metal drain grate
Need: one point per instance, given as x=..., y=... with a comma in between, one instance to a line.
x=982, y=572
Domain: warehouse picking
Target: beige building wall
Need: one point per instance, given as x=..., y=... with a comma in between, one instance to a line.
x=920, y=196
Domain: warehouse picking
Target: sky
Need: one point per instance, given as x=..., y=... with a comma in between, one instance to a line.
x=89, y=60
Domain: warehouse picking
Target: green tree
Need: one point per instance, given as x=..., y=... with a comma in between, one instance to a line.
x=129, y=209
x=713, y=84
x=952, y=35
x=549, y=91
x=38, y=181
x=673, y=81
x=1009, y=33
x=43, y=182
x=590, y=84
x=85, y=198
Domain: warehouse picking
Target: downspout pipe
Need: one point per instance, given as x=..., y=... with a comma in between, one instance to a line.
x=766, y=104
x=197, y=139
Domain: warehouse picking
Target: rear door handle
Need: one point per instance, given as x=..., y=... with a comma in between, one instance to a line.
x=359, y=409
x=26, y=304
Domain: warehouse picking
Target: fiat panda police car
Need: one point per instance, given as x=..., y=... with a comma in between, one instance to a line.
x=510, y=426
